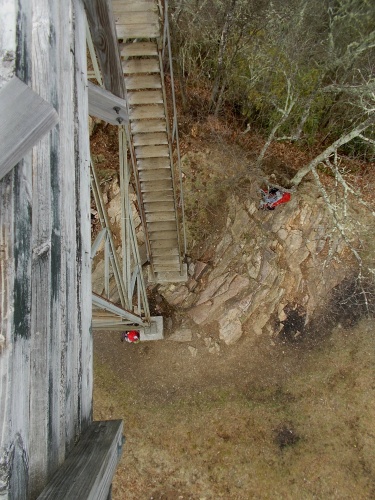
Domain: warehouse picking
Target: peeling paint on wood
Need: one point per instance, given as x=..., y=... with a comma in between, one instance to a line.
x=45, y=273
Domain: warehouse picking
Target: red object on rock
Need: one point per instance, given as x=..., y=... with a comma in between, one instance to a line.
x=284, y=199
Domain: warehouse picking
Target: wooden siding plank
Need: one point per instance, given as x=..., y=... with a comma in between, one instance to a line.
x=142, y=82
x=24, y=119
x=89, y=468
x=103, y=33
x=141, y=66
x=45, y=209
x=15, y=281
x=46, y=361
x=138, y=49
x=102, y=104
x=125, y=31
x=83, y=205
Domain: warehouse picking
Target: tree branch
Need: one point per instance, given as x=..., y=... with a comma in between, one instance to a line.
x=332, y=148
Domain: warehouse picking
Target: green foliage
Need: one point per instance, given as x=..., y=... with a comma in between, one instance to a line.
x=258, y=56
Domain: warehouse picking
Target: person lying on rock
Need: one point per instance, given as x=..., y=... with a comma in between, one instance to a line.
x=273, y=197
x=132, y=337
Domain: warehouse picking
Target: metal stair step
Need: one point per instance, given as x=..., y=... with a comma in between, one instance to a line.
x=155, y=175
x=160, y=216
x=165, y=251
x=161, y=227
x=147, y=111
x=177, y=276
x=159, y=185
x=131, y=66
x=167, y=260
x=141, y=126
x=145, y=97
x=163, y=244
x=158, y=196
x=138, y=49
x=154, y=163
x=166, y=268
x=155, y=151
x=149, y=139
x=147, y=15
x=142, y=82
x=159, y=206
x=133, y=5
x=126, y=31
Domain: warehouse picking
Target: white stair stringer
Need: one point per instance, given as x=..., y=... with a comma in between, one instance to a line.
x=138, y=28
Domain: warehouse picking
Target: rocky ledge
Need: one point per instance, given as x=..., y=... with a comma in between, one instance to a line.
x=264, y=265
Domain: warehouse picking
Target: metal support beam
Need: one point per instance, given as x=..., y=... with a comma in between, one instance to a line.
x=109, y=306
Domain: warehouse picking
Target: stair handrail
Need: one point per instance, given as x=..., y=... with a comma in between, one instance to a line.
x=166, y=42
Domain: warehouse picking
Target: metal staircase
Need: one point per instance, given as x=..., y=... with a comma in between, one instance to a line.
x=138, y=26
x=145, y=136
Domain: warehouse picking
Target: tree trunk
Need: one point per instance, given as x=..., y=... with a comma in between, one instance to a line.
x=220, y=59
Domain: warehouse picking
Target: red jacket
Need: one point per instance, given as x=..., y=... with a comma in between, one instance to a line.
x=284, y=199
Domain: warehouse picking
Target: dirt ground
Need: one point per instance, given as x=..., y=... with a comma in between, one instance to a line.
x=266, y=421
x=270, y=420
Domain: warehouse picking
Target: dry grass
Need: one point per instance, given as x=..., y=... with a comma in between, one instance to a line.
x=190, y=436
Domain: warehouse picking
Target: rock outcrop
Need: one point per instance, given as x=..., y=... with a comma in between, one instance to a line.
x=263, y=263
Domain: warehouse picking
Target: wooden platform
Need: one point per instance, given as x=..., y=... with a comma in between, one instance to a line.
x=88, y=470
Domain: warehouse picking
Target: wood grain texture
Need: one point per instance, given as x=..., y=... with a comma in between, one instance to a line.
x=102, y=104
x=147, y=111
x=103, y=33
x=24, y=119
x=143, y=82
x=126, y=31
x=141, y=66
x=83, y=205
x=89, y=468
x=152, y=151
x=46, y=355
x=124, y=6
x=139, y=49
x=15, y=281
x=149, y=139
x=147, y=17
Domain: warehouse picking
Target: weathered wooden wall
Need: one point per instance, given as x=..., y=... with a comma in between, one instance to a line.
x=45, y=276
